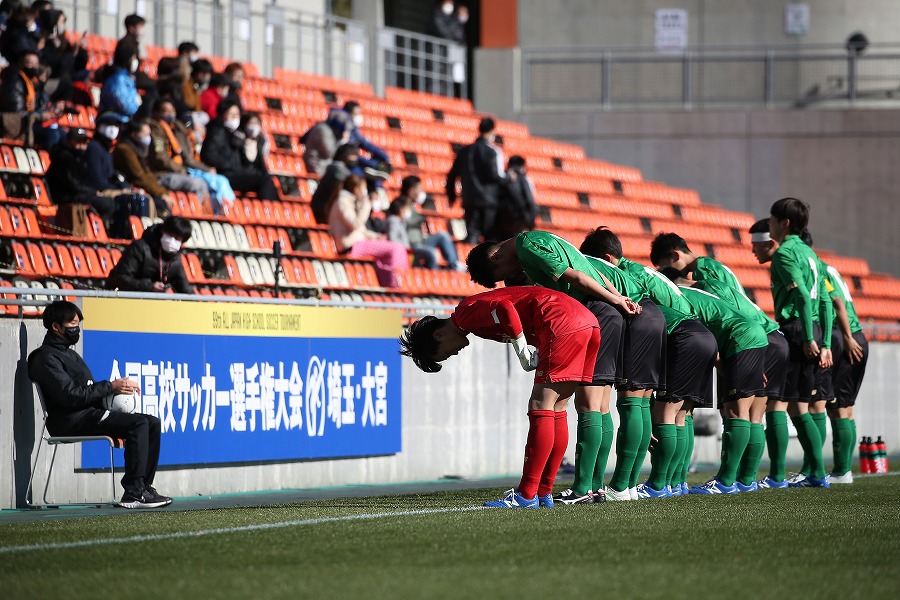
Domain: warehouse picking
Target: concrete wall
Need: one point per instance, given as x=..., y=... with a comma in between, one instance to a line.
x=469, y=420
x=840, y=161
x=717, y=22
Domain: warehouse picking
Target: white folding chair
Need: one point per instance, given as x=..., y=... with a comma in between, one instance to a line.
x=55, y=442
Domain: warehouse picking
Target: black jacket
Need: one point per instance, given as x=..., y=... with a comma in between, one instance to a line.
x=222, y=149
x=13, y=95
x=476, y=167
x=101, y=173
x=444, y=26
x=68, y=176
x=517, y=210
x=69, y=389
x=143, y=263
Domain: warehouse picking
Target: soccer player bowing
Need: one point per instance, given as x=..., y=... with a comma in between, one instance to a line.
x=567, y=338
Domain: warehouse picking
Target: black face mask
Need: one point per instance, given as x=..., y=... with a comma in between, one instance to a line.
x=72, y=335
x=351, y=164
x=31, y=72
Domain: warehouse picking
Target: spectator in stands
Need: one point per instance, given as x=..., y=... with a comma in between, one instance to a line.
x=517, y=210
x=347, y=217
x=165, y=158
x=193, y=88
x=22, y=95
x=100, y=162
x=69, y=180
x=119, y=93
x=256, y=144
x=407, y=226
x=172, y=149
x=131, y=159
x=345, y=160
x=323, y=139
x=446, y=23
x=173, y=72
x=67, y=61
x=218, y=90
x=74, y=403
x=131, y=41
x=234, y=72
x=479, y=167
x=379, y=163
x=22, y=35
x=223, y=149
x=153, y=263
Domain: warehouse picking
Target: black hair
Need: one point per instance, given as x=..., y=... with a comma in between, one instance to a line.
x=761, y=226
x=350, y=105
x=135, y=125
x=418, y=343
x=794, y=210
x=123, y=55
x=187, y=48
x=59, y=312
x=664, y=245
x=481, y=270
x=177, y=226
x=672, y=273
x=397, y=205
x=226, y=103
x=157, y=106
x=343, y=150
x=515, y=162
x=601, y=241
x=806, y=237
x=232, y=67
x=408, y=183
x=134, y=21
x=245, y=118
x=486, y=125
x=201, y=65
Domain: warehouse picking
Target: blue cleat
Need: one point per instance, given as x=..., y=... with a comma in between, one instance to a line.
x=545, y=501
x=812, y=482
x=770, y=484
x=512, y=499
x=753, y=487
x=714, y=486
x=685, y=488
x=645, y=491
x=676, y=490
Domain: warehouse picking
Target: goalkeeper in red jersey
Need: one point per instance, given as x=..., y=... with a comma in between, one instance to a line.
x=567, y=338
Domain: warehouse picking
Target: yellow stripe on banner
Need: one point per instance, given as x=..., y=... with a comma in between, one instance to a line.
x=221, y=318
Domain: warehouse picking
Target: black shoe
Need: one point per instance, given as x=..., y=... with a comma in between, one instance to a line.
x=157, y=497
x=142, y=499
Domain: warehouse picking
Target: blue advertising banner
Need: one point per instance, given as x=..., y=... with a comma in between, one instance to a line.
x=246, y=383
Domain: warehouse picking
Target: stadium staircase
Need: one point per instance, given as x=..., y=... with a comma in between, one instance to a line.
x=231, y=255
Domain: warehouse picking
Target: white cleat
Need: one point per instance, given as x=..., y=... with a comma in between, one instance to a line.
x=614, y=496
x=634, y=493
x=796, y=479
x=845, y=478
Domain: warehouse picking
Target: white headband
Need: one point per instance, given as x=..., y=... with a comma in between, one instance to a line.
x=760, y=236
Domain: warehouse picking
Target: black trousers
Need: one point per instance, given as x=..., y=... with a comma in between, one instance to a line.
x=480, y=221
x=249, y=181
x=140, y=433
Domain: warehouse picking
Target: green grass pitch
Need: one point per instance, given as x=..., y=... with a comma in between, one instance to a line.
x=804, y=543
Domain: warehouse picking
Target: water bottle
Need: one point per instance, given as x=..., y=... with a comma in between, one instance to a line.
x=881, y=461
x=865, y=456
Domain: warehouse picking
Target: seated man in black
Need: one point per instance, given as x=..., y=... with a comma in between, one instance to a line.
x=68, y=177
x=74, y=405
x=153, y=263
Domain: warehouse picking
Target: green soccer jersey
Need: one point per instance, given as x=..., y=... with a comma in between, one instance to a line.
x=733, y=331
x=837, y=288
x=739, y=302
x=710, y=268
x=622, y=281
x=824, y=306
x=796, y=284
x=662, y=291
x=545, y=257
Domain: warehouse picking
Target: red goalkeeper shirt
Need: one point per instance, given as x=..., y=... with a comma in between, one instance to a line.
x=540, y=313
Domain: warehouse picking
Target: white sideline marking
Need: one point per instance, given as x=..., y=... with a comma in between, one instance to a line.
x=224, y=530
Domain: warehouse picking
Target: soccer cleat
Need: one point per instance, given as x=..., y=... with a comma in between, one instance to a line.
x=156, y=496
x=753, y=487
x=633, y=492
x=512, y=499
x=645, y=490
x=795, y=479
x=676, y=490
x=570, y=497
x=614, y=496
x=142, y=499
x=599, y=496
x=685, y=488
x=714, y=486
x=545, y=501
x=845, y=478
x=770, y=484
x=812, y=482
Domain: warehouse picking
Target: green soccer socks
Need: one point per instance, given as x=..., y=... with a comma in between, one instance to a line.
x=842, y=432
x=587, y=446
x=631, y=431
x=675, y=463
x=734, y=444
x=603, y=454
x=753, y=454
x=811, y=441
x=645, y=442
x=666, y=444
x=777, y=438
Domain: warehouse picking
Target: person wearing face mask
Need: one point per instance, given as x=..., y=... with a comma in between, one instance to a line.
x=479, y=168
x=68, y=177
x=256, y=145
x=131, y=160
x=219, y=87
x=119, y=93
x=135, y=26
x=378, y=163
x=74, y=403
x=22, y=35
x=67, y=61
x=153, y=263
x=173, y=72
x=322, y=140
x=445, y=24
x=172, y=150
x=22, y=96
x=235, y=73
x=345, y=163
x=407, y=226
x=224, y=149
x=194, y=87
